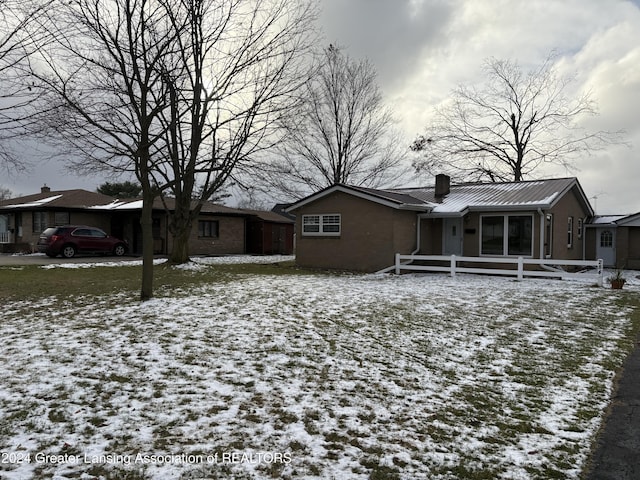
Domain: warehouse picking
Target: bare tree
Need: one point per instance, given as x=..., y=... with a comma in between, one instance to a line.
x=5, y=193
x=341, y=132
x=102, y=80
x=179, y=92
x=234, y=76
x=16, y=92
x=510, y=126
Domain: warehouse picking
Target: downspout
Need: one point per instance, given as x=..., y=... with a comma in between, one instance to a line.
x=541, y=213
x=417, y=249
x=584, y=240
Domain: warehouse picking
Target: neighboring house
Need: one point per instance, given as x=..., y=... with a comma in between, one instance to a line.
x=615, y=239
x=219, y=229
x=269, y=233
x=355, y=228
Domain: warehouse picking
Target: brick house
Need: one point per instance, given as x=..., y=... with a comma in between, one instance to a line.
x=615, y=239
x=355, y=228
x=219, y=230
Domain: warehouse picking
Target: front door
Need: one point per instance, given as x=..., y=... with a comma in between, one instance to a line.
x=606, y=246
x=452, y=241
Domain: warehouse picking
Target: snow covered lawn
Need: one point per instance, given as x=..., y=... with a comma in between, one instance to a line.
x=312, y=377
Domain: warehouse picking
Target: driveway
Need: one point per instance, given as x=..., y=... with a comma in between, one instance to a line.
x=41, y=259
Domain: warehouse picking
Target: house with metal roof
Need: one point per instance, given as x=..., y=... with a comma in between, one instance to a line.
x=355, y=228
x=615, y=239
x=219, y=230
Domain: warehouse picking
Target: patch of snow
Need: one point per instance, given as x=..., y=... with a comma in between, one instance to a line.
x=313, y=377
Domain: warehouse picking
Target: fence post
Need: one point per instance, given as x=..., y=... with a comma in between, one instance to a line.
x=520, y=268
x=397, y=264
x=600, y=272
x=453, y=265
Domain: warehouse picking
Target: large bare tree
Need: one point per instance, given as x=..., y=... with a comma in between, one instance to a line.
x=510, y=126
x=17, y=43
x=235, y=75
x=177, y=91
x=341, y=132
x=102, y=83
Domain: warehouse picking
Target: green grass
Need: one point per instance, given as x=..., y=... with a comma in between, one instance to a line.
x=355, y=336
x=32, y=281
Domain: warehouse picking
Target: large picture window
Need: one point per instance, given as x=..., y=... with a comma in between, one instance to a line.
x=321, y=225
x=507, y=235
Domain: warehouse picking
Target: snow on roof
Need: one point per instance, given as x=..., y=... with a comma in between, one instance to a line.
x=119, y=205
x=33, y=203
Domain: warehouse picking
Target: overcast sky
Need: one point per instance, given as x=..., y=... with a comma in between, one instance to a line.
x=423, y=48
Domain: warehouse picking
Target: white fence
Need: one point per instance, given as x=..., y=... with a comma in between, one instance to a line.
x=5, y=237
x=549, y=267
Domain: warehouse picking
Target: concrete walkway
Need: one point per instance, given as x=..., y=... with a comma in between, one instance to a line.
x=617, y=453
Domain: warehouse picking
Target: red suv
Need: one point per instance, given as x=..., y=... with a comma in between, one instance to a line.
x=70, y=239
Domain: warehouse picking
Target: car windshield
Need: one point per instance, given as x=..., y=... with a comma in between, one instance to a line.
x=49, y=231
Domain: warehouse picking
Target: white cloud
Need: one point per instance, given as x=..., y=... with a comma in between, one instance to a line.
x=424, y=48
x=597, y=40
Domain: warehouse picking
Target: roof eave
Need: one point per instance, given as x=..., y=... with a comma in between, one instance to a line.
x=356, y=193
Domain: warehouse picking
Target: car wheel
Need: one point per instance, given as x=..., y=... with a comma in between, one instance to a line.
x=119, y=250
x=68, y=251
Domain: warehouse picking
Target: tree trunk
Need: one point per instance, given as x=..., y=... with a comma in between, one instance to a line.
x=146, y=224
x=180, y=248
x=181, y=225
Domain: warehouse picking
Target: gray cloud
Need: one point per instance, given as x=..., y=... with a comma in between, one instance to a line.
x=394, y=35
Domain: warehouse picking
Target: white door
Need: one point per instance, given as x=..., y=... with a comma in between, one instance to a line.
x=452, y=236
x=606, y=246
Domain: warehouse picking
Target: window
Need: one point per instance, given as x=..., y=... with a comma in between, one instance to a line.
x=520, y=235
x=507, y=235
x=208, y=228
x=606, y=239
x=61, y=218
x=493, y=235
x=580, y=227
x=570, y=232
x=548, y=238
x=39, y=222
x=321, y=225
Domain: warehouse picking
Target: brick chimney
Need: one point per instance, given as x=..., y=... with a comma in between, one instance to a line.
x=45, y=189
x=443, y=185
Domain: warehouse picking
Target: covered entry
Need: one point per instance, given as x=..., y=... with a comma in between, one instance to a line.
x=452, y=236
x=606, y=245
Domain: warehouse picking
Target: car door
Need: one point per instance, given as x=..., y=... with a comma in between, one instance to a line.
x=101, y=241
x=83, y=239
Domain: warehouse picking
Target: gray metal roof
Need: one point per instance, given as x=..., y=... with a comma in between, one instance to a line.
x=492, y=196
x=462, y=198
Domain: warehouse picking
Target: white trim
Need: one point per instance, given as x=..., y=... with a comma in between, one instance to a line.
x=321, y=224
x=505, y=234
x=358, y=194
x=449, y=264
x=569, y=231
